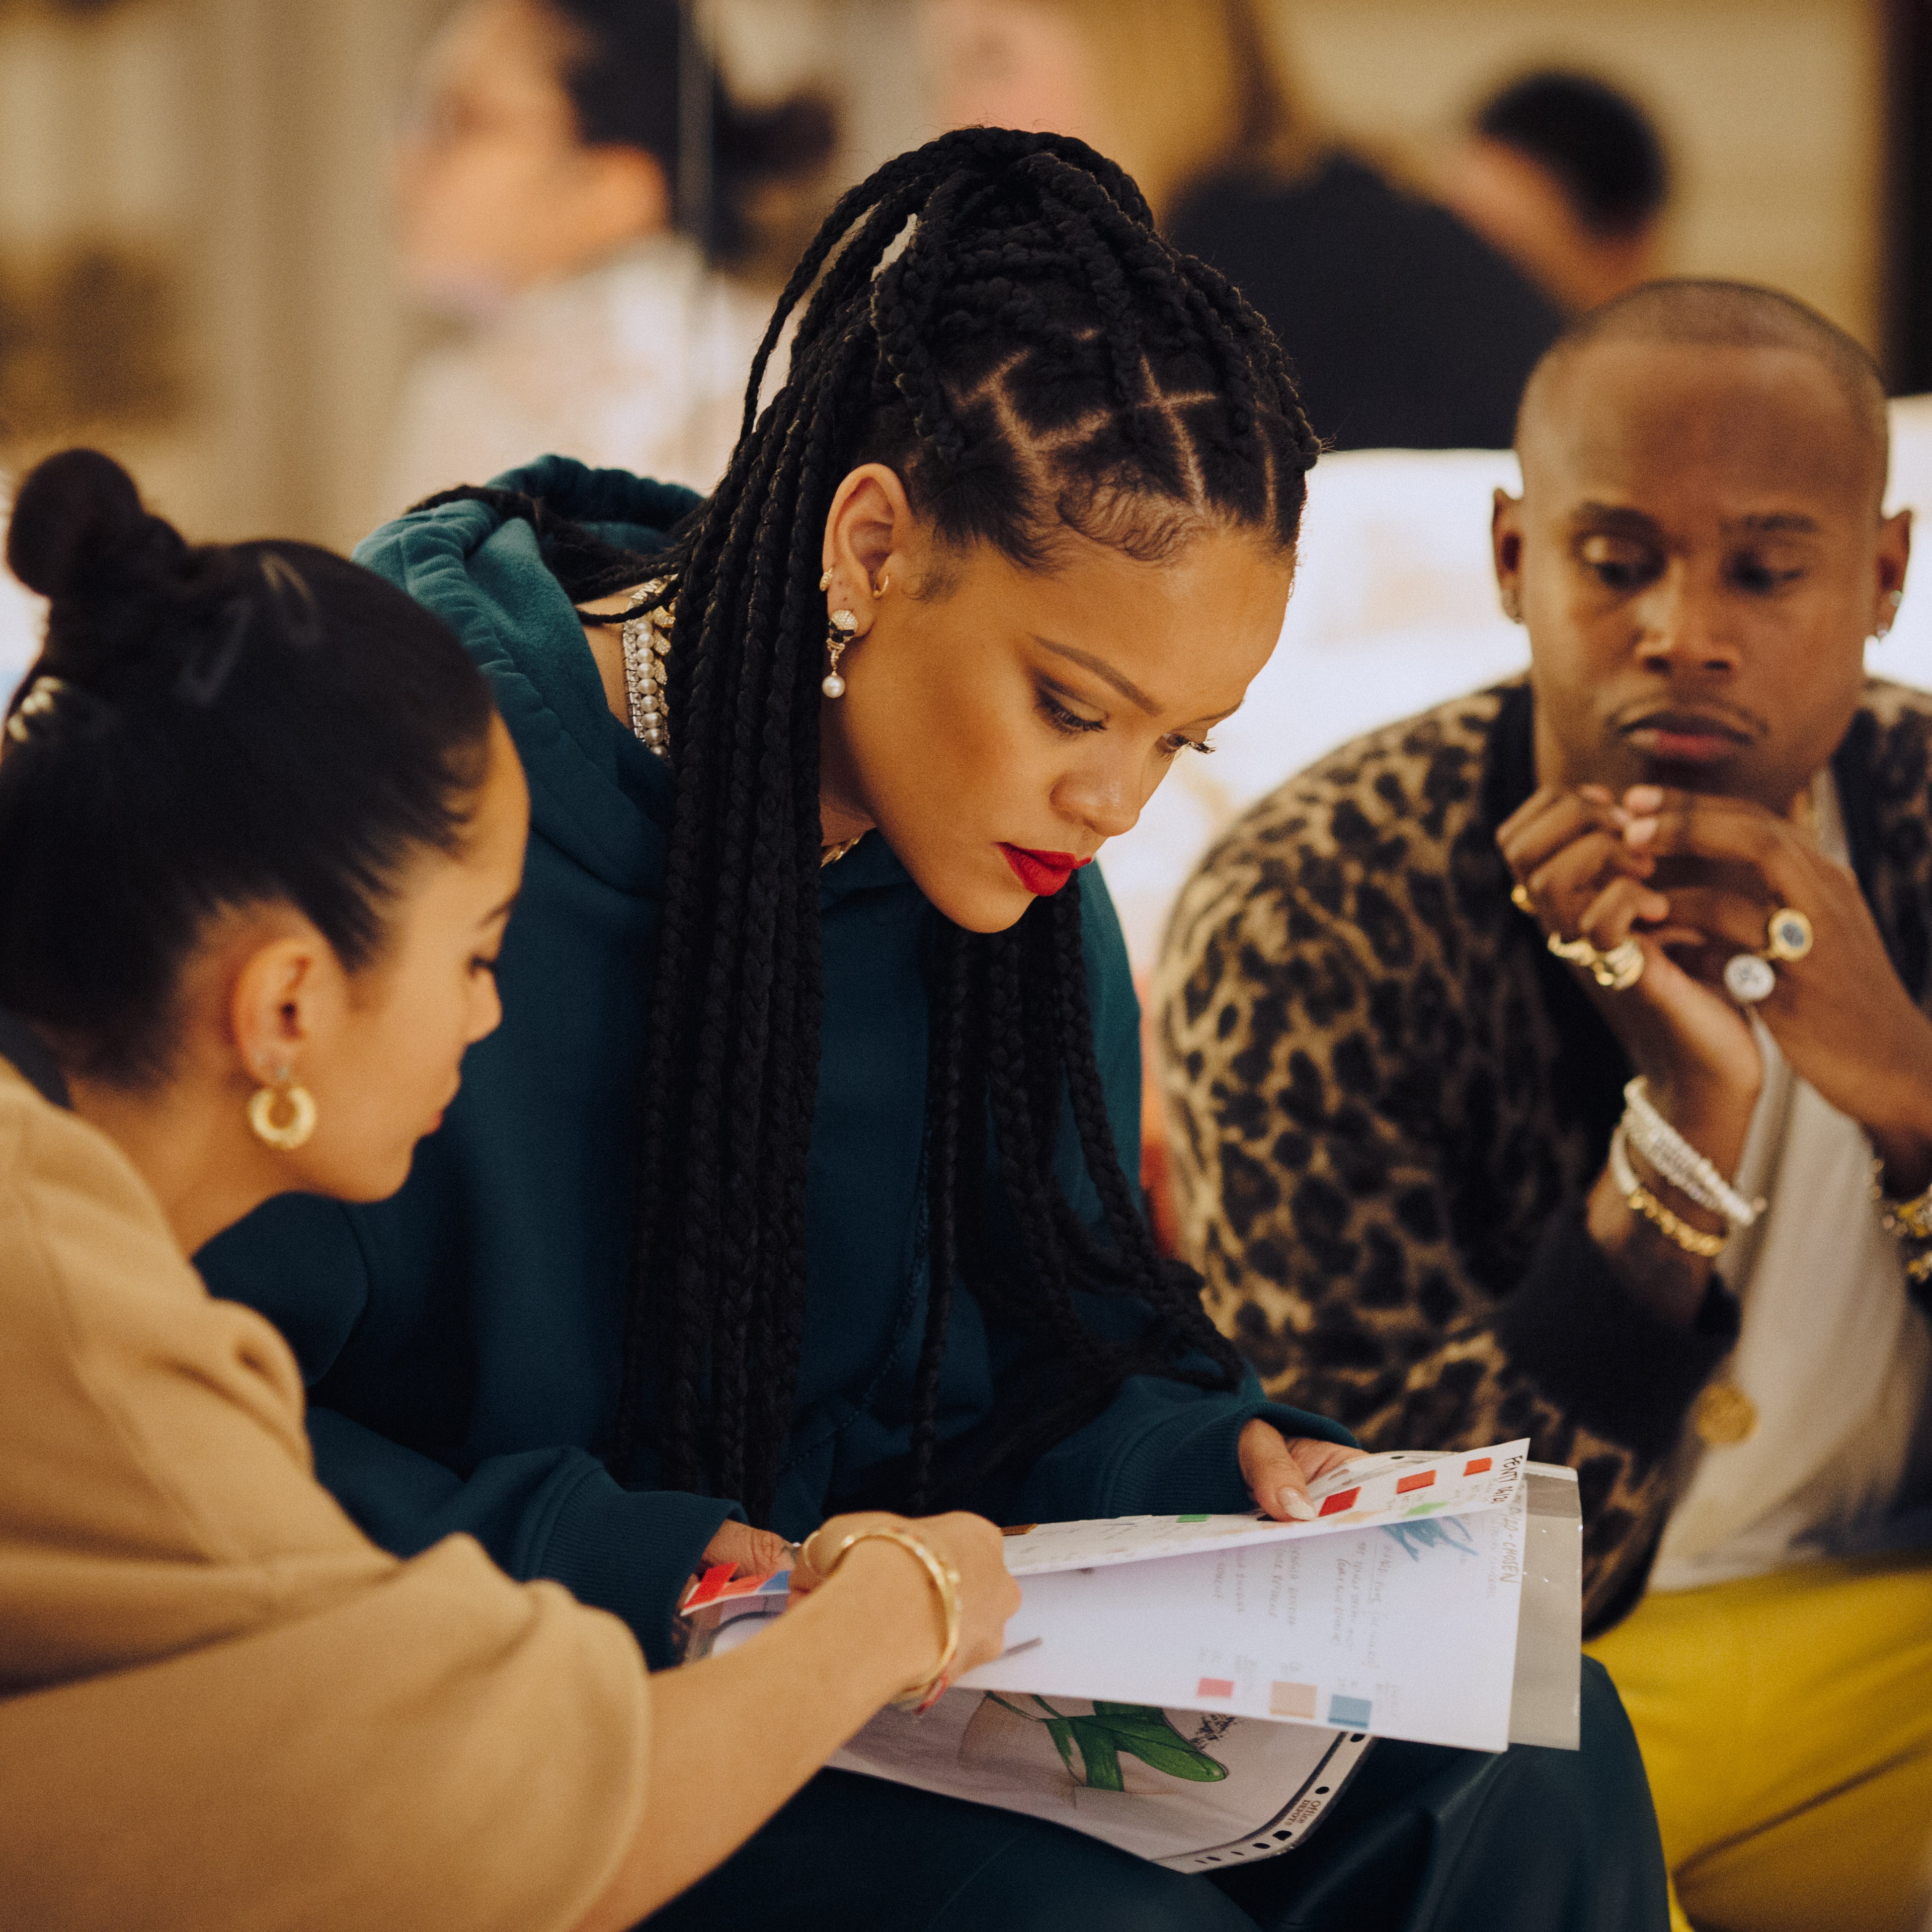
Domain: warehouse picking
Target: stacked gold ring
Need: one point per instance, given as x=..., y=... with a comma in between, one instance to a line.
x=1616, y=971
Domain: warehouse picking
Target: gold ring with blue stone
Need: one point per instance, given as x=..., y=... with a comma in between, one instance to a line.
x=1787, y=935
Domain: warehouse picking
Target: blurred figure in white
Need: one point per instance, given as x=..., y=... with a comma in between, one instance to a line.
x=23, y=616
x=1569, y=178
x=542, y=199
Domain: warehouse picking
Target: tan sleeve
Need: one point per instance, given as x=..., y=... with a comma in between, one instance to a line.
x=220, y=1706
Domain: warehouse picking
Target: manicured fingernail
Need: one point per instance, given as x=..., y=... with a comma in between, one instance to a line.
x=1644, y=798
x=1294, y=1503
x=1640, y=831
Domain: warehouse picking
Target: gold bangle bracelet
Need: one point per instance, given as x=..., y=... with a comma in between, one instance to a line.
x=921, y=1696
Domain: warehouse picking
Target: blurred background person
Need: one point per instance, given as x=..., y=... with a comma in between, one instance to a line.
x=1406, y=328
x=543, y=198
x=1570, y=178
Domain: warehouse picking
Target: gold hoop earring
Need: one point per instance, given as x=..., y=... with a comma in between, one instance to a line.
x=286, y=1136
x=825, y=582
x=885, y=584
x=837, y=635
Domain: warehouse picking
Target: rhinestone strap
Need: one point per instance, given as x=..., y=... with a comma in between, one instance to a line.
x=1687, y=1170
x=647, y=638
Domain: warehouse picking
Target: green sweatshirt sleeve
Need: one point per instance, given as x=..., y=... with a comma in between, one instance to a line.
x=553, y=1511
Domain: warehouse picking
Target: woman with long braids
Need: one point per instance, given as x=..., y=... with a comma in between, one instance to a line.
x=791, y=1183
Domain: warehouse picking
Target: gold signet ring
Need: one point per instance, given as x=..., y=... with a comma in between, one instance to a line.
x=1788, y=935
x=1618, y=970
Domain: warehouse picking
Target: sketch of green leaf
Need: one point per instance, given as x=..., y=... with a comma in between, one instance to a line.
x=1097, y=1753
x=1178, y=1758
x=1060, y=1730
x=1147, y=1721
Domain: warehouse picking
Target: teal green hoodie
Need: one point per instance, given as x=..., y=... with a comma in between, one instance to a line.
x=462, y=1340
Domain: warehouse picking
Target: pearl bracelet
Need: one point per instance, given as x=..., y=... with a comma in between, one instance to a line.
x=1687, y=1170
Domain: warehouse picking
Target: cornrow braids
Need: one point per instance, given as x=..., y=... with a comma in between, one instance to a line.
x=993, y=316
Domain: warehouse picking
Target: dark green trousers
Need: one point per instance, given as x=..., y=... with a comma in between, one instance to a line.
x=1424, y=1840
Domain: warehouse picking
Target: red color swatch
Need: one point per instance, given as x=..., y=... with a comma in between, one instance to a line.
x=1477, y=1466
x=1215, y=1687
x=1341, y=1500
x=1421, y=1479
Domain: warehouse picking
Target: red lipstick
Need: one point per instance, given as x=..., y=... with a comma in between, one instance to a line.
x=1043, y=873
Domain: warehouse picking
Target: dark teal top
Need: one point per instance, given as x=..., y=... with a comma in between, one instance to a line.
x=462, y=1340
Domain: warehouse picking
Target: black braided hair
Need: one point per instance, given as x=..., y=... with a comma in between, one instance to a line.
x=1033, y=359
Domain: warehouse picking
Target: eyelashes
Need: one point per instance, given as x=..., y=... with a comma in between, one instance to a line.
x=1071, y=724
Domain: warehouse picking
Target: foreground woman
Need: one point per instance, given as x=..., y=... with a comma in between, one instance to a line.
x=260, y=832
x=791, y=1185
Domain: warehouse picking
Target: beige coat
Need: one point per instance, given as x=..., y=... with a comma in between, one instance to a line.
x=220, y=1706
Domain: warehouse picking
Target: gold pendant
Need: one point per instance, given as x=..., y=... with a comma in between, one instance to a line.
x=1723, y=1415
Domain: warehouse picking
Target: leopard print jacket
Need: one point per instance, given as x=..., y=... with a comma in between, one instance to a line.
x=1387, y=1103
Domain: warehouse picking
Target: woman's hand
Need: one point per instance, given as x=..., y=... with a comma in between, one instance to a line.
x=974, y=1548
x=750, y=1552
x=1278, y=1470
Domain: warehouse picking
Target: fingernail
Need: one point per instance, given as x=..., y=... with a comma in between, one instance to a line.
x=1640, y=831
x=1644, y=798
x=1294, y=1503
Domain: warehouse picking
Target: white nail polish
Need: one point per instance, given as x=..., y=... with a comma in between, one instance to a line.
x=1297, y=1505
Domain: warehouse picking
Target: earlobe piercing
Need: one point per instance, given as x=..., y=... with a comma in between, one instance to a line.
x=283, y=1135
x=837, y=635
x=1892, y=600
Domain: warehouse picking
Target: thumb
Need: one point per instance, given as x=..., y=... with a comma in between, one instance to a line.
x=1274, y=1478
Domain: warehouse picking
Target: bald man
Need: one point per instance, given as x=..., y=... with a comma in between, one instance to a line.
x=1558, y=1062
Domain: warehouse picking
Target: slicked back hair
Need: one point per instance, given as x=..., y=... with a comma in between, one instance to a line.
x=1032, y=361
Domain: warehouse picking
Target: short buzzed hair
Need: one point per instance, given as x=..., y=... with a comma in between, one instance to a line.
x=1725, y=315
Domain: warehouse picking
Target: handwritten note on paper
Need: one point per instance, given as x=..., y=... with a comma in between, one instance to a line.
x=1401, y=1486
x=1405, y=1630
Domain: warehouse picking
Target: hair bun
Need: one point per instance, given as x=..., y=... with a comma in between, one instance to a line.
x=79, y=529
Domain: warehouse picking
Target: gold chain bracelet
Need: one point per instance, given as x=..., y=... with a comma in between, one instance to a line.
x=1908, y=1220
x=922, y=1696
x=1639, y=1200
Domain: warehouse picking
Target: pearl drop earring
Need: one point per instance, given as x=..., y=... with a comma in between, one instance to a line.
x=837, y=635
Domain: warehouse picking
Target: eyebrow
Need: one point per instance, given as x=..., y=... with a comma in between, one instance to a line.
x=1102, y=670
x=1775, y=523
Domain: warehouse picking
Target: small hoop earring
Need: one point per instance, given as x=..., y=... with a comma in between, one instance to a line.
x=286, y=1136
x=825, y=582
x=837, y=635
x=885, y=584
